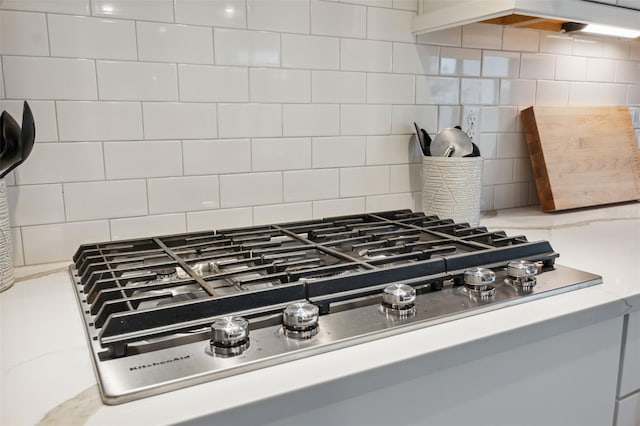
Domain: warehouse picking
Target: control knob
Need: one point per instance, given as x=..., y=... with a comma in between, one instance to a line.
x=229, y=336
x=522, y=273
x=480, y=282
x=398, y=300
x=300, y=320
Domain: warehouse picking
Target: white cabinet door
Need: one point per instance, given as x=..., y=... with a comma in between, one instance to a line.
x=630, y=379
x=628, y=411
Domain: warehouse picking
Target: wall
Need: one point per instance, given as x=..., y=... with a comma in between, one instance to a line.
x=171, y=116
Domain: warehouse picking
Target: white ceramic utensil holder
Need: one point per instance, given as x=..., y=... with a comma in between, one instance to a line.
x=6, y=245
x=451, y=188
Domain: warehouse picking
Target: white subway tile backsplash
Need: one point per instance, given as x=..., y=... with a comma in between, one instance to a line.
x=84, y=37
x=600, y=69
x=512, y=145
x=250, y=189
x=35, y=204
x=240, y=47
x=520, y=39
x=448, y=116
x=44, y=114
x=279, y=85
x=338, y=87
x=62, y=162
x=415, y=58
x=552, y=93
x=205, y=83
x=73, y=7
x=130, y=160
x=49, y=78
x=249, y=120
x=58, y=242
x=280, y=154
x=487, y=144
x=390, y=150
x=498, y=119
x=365, y=119
x=339, y=207
x=500, y=64
x=157, y=10
x=179, y=194
x=583, y=93
x=587, y=46
x=135, y=81
x=460, y=62
x=340, y=151
x=571, y=68
x=219, y=219
x=212, y=13
x=147, y=226
x=310, y=120
x=289, y=16
x=612, y=94
x=390, y=89
x=551, y=42
x=389, y=24
x=537, y=66
x=327, y=91
x=23, y=33
x=340, y=20
x=303, y=51
x=517, y=92
x=405, y=178
x=359, y=181
x=475, y=91
x=94, y=200
x=483, y=36
x=365, y=55
x=292, y=212
x=497, y=172
x=203, y=157
x=170, y=120
x=174, y=43
x=389, y=202
x=96, y=121
x=437, y=90
x=449, y=37
x=307, y=185
x=403, y=117
x=626, y=72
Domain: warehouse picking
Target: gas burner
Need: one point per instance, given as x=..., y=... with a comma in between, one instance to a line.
x=165, y=274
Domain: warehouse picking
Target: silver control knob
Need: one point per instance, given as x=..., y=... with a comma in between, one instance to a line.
x=480, y=282
x=229, y=336
x=300, y=320
x=398, y=299
x=522, y=273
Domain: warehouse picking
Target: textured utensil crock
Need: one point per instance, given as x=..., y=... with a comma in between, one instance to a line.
x=6, y=245
x=451, y=188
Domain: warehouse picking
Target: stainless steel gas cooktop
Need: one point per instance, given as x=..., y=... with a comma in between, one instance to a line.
x=168, y=312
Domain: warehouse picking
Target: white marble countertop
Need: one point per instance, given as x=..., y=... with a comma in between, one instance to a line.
x=47, y=377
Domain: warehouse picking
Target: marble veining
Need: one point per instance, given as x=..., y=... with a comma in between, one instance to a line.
x=74, y=411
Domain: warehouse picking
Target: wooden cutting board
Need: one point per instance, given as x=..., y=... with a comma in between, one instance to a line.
x=582, y=156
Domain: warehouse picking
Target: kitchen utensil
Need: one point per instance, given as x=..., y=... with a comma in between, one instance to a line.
x=420, y=137
x=427, y=142
x=451, y=142
x=475, y=152
x=21, y=141
x=582, y=156
x=12, y=152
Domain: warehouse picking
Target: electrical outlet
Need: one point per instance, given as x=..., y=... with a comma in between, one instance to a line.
x=471, y=122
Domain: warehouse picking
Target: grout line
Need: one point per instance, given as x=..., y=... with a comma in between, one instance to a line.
x=48, y=32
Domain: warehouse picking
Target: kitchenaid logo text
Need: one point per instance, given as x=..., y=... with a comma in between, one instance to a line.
x=159, y=363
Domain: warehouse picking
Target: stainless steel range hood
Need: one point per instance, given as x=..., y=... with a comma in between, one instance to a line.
x=436, y=15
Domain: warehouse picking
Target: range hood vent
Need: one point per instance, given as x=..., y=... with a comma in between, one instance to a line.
x=547, y=15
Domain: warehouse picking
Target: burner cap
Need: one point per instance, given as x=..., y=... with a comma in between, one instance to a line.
x=166, y=273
